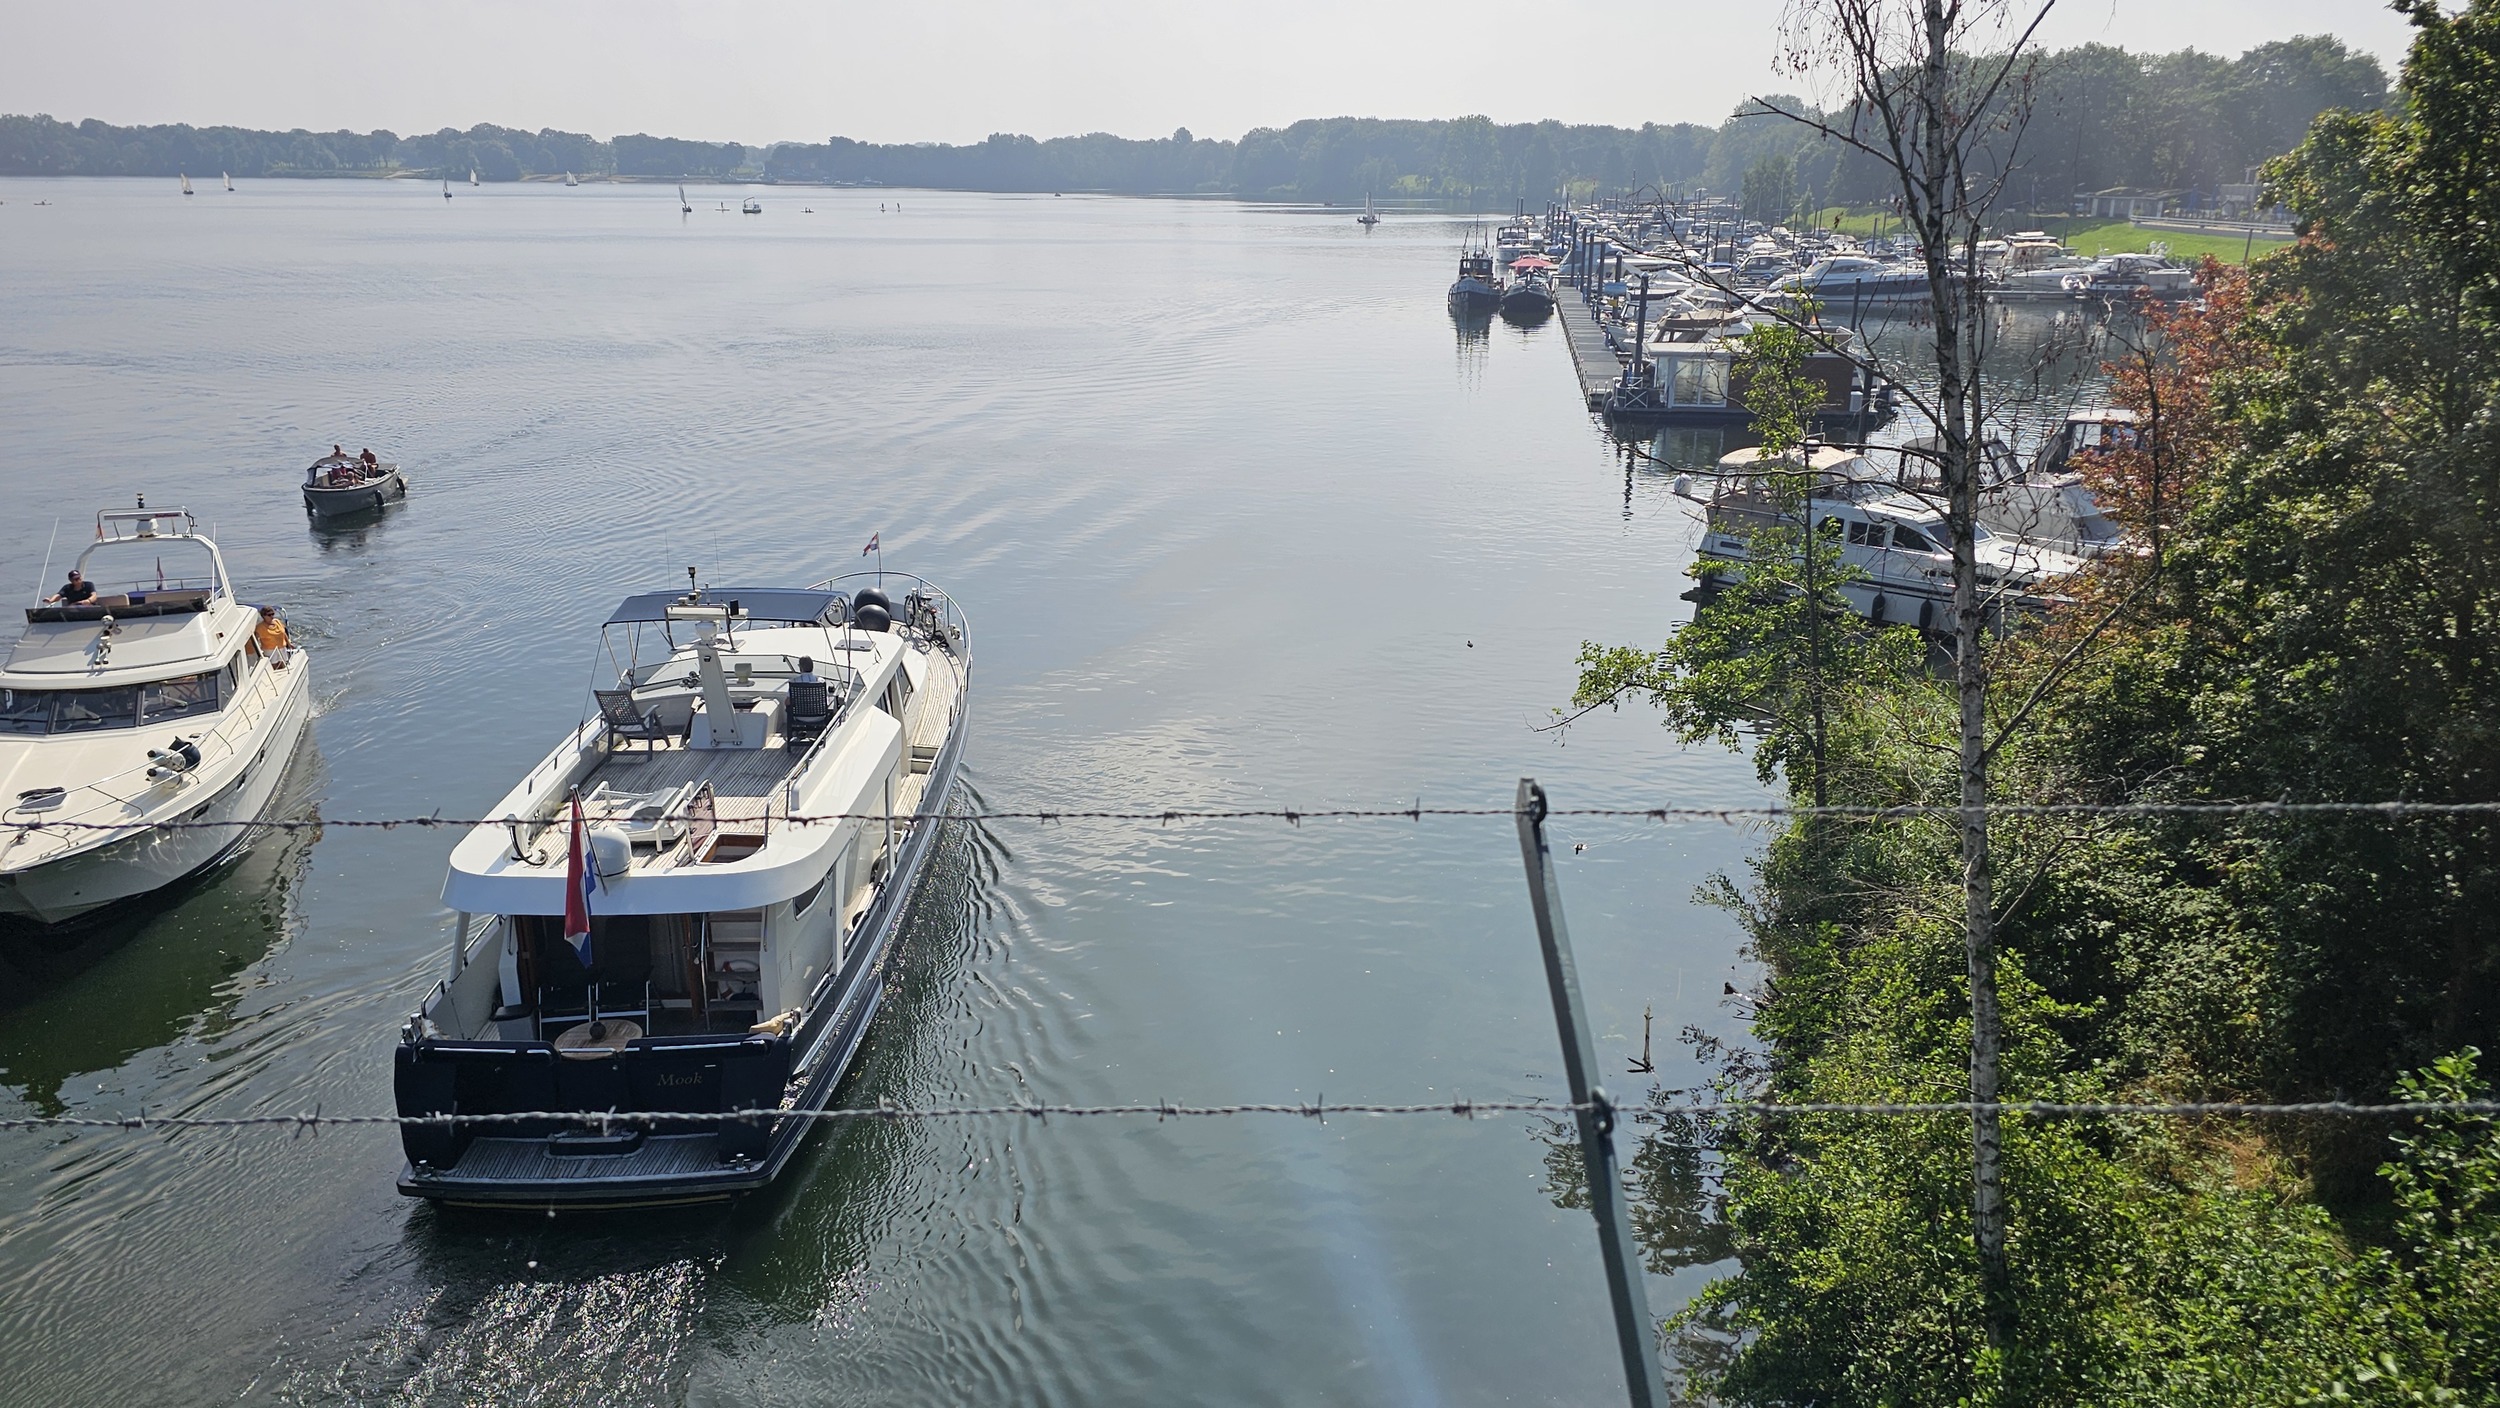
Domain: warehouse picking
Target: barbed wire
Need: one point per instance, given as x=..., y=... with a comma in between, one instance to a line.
x=1315, y=1109
x=1298, y=815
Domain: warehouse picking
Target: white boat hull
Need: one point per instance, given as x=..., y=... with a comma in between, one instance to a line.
x=82, y=881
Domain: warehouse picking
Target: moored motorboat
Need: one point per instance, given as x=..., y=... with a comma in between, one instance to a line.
x=1478, y=289
x=1530, y=295
x=1894, y=546
x=141, y=696
x=686, y=907
x=338, y=484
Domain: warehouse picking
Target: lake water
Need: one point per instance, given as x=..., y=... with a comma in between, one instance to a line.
x=1241, y=520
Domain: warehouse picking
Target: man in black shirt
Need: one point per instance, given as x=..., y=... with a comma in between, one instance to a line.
x=73, y=592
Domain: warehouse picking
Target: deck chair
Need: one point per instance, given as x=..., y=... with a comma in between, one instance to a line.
x=809, y=709
x=627, y=722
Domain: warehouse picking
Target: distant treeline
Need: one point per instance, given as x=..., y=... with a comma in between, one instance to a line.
x=2101, y=118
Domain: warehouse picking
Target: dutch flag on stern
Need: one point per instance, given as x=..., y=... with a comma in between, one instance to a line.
x=581, y=881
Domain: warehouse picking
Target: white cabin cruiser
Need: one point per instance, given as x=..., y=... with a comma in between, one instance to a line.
x=1847, y=279
x=1893, y=540
x=754, y=791
x=147, y=701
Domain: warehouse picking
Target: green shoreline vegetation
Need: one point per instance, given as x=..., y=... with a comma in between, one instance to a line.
x=2312, y=612
x=2106, y=118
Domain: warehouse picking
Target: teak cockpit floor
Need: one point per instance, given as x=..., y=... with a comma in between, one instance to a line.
x=743, y=779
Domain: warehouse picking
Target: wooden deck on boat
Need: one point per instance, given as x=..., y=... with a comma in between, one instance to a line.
x=744, y=780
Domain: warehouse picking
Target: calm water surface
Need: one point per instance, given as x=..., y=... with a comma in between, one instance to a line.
x=1241, y=520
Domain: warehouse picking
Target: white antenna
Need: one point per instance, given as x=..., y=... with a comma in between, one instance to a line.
x=43, y=580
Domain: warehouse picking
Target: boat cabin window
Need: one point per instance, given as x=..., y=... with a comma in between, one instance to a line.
x=45, y=711
x=191, y=695
x=1869, y=535
x=807, y=899
x=1905, y=536
x=1697, y=381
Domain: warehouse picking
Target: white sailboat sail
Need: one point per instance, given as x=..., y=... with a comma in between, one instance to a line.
x=472, y=175
x=186, y=185
x=684, y=206
x=229, y=179
x=568, y=179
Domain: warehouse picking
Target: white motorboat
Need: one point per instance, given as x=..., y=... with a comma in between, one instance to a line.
x=2120, y=276
x=751, y=206
x=753, y=795
x=148, y=701
x=1847, y=280
x=1893, y=540
x=339, y=484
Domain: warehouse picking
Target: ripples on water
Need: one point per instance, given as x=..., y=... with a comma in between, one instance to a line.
x=1241, y=519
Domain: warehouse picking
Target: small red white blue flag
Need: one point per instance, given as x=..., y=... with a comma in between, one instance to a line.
x=581, y=881
x=872, y=543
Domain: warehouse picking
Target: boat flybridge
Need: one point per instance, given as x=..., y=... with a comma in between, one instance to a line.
x=752, y=793
x=145, y=699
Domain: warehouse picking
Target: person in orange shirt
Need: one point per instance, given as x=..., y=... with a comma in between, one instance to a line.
x=270, y=635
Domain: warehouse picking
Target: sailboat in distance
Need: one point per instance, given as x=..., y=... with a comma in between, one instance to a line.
x=447, y=188
x=186, y=185
x=684, y=206
x=473, y=176
x=1367, y=219
x=568, y=179
x=229, y=179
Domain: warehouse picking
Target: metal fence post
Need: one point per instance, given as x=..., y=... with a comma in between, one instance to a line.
x=1635, y=1333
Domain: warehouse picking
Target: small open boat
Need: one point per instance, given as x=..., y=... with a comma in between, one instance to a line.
x=338, y=485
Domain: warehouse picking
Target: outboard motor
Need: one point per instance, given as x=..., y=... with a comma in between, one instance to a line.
x=173, y=760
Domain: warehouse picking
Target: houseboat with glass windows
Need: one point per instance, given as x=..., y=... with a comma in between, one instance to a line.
x=685, y=908
x=1684, y=375
x=138, y=696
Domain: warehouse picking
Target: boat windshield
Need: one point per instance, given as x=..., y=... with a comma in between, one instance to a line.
x=140, y=565
x=47, y=711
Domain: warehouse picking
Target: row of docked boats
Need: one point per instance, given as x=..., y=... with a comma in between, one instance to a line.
x=682, y=909
x=1518, y=284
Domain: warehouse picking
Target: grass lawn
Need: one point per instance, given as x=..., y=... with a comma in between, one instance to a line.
x=2084, y=234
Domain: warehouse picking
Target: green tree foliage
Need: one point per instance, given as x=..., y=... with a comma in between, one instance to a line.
x=2319, y=625
x=2107, y=118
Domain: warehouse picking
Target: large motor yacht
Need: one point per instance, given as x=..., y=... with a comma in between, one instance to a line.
x=686, y=906
x=148, y=701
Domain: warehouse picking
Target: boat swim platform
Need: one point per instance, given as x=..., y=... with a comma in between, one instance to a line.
x=1596, y=363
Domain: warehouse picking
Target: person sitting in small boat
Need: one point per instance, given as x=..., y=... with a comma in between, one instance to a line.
x=270, y=636
x=370, y=461
x=73, y=592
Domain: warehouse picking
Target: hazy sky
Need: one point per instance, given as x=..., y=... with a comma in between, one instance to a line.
x=955, y=70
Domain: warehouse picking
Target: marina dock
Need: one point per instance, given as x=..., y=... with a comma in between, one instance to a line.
x=1596, y=363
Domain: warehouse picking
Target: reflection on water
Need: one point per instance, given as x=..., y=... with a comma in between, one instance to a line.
x=89, y=995
x=1242, y=521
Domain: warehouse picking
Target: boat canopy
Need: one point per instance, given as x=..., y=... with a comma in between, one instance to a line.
x=806, y=608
